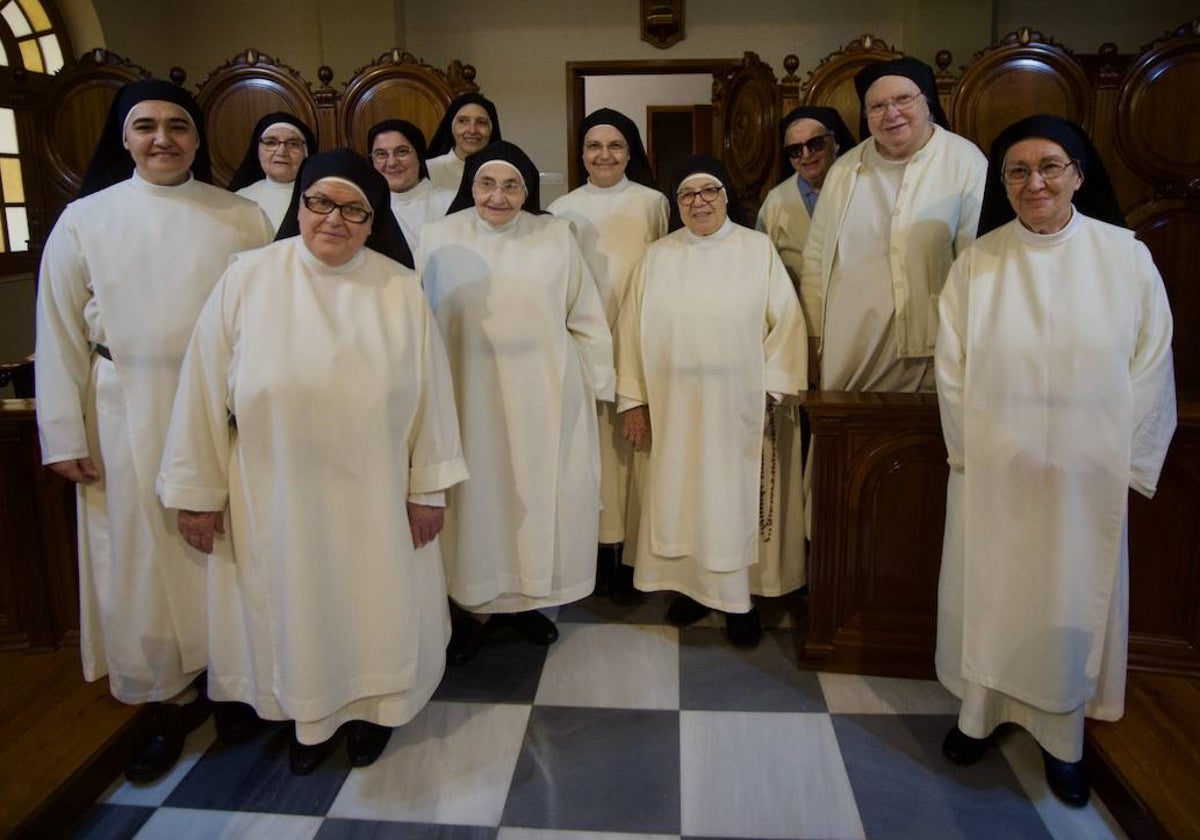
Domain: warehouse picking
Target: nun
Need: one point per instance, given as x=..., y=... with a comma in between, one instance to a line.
x=468, y=126
x=894, y=213
x=267, y=173
x=616, y=214
x=1057, y=396
x=530, y=353
x=710, y=337
x=398, y=153
x=315, y=424
x=124, y=275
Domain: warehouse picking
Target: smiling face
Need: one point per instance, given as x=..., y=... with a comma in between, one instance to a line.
x=702, y=217
x=811, y=166
x=898, y=116
x=162, y=141
x=498, y=192
x=1042, y=204
x=394, y=157
x=472, y=130
x=329, y=237
x=605, y=155
x=281, y=150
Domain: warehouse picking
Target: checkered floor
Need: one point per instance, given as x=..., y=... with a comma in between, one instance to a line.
x=625, y=728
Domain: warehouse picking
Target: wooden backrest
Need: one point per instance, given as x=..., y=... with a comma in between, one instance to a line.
x=831, y=83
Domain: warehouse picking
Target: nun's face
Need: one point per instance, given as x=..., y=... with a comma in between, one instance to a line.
x=472, y=129
x=1041, y=179
x=498, y=193
x=702, y=215
x=811, y=166
x=330, y=238
x=898, y=116
x=396, y=160
x=162, y=141
x=281, y=150
x=605, y=155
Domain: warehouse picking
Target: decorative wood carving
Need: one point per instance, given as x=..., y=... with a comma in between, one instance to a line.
x=745, y=117
x=662, y=22
x=237, y=94
x=1025, y=73
x=831, y=84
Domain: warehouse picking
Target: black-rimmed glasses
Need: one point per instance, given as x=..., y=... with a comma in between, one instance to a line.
x=322, y=206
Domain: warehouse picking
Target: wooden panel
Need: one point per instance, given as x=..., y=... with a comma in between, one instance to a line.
x=831, y=84
x=238, y=94
x=745, y=118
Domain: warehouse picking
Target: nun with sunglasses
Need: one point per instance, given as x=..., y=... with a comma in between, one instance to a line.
x=312, y=442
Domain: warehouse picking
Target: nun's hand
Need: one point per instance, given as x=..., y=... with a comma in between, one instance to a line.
x=78, y=470
x=635, y=427
x=200, y=527
x=425, y=522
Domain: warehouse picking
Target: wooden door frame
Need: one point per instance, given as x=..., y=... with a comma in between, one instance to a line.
x=577, y=71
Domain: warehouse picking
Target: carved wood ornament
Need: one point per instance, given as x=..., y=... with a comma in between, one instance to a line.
x=662, y=22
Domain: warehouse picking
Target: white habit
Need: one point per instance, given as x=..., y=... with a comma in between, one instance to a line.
x=320, y=609
x=1057, y=394
x=785, y=218
x=272, y=196
x=614, y=226
x=530, y=352
x=129, y=268
x=446, y=171
x=710, y=326
x=417, y=207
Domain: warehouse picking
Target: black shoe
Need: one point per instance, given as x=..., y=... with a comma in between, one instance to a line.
x=1067, y=780
x=305, y=758
x=534, y=627
x=236, y=723
x=365, y=742
x=159, y=752
x=466, y=638
x=607, y=560
x=624, y=593
x=962, y=749
x=684, y=611
x=744, y=629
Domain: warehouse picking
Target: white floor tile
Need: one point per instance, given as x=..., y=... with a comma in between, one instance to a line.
x=122, y=792
x=452, y=764
x=629, y=666
x=1092, y=821
x=764, y=775
x=850, y=694
x=189, y=824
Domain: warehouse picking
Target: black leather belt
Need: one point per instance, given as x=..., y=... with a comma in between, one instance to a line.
x=102, y=351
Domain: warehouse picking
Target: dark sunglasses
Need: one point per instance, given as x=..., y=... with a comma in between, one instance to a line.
x=814, y=146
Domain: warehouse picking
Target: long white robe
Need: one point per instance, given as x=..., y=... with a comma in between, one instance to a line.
x=1056, y=389
x=446, y=171
x=614, y=226
x=320, y=609
x=129, y=268
x=709, y=327
x=272, y=196
x=417, y=207
x=785, y=218
x=530, y=352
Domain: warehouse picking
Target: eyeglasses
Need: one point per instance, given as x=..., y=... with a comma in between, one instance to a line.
x=490, y=185
x=1051, y=170
x=816, y=145
x=321, y=205
x=273, y=143
x=903, y=102
x=398, y=153
x=688, y=197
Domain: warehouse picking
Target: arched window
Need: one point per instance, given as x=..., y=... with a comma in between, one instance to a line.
x=28, y=38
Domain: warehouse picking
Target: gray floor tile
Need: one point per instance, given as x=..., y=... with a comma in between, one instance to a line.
x=112, y=822
x=906, y=789
x=715, y=675
x=607, y=770
x=254, y=776
x=597, y=608
x=191, y=824
x=506, y=670
x=337, y=829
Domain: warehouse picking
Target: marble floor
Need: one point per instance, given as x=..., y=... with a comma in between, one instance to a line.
x=625, y=728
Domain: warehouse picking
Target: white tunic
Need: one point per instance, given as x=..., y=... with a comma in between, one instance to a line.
x=272, y=196
x=709, y=327
x=446, y=171
x=320, y=609
x=784, y=217
x=614, y=226
x=417, y=207
x=130, y=267
x=1056, y=389
x=530, y=352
